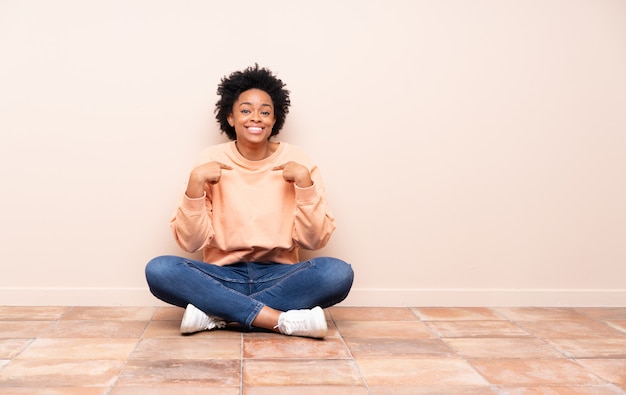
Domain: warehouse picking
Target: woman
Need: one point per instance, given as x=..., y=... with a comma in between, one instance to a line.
x=250, y=205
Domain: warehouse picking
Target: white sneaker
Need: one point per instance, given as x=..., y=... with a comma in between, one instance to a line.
x=195, y=320
x=309, y=323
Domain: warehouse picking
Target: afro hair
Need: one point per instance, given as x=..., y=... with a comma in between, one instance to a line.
x=237, y=82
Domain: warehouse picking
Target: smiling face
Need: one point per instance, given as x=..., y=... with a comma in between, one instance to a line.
x=252, y=117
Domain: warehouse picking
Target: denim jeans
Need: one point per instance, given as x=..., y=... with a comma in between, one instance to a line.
x=239, y=291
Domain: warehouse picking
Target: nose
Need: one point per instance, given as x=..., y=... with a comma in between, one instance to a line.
x=256, y=116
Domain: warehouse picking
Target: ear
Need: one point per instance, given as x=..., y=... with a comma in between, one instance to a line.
x=231, y=122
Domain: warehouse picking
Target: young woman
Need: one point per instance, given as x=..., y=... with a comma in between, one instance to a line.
x=250, y=205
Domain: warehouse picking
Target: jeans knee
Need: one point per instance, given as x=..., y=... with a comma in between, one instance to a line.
x=339, y=277
x=347, y=275
x=155, y=269
x=338, y=272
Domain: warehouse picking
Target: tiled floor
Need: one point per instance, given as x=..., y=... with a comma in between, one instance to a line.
x=128, y=351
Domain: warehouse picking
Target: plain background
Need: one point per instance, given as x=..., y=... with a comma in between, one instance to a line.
x=473, y=150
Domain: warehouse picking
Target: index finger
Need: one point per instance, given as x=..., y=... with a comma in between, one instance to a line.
x=223, y=166
x=280, y=167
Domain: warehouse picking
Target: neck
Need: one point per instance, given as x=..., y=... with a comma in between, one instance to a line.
x=254, y=152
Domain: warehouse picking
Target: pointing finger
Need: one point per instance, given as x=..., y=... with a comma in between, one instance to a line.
x=223, y=166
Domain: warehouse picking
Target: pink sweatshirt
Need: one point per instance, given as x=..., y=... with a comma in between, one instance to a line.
x=252, y=214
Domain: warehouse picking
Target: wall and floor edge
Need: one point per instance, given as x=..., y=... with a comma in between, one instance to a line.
x=365, y=297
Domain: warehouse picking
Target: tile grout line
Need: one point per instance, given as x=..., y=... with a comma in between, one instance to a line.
x=605, y=378
x=455, y=351
x=52, y=323
x=241, y=342
x=545, y=341
x=125, y=364
x=358, y=368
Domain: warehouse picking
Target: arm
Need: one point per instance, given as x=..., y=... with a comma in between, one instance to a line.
x=191, y=225
x=314, y=224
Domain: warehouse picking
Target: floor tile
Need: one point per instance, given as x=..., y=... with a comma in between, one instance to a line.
x=387, y=329
x=67, y=349
x=294, y=347
x=307, y=390
x=300, y=372
x=570, y=329
x=169, y=313
x=31, y=313
x=456, y=314
x=524, y=372
x=160, y=329
x=398, y=348
x=332, y=330
x=372, y=314
x=264, y=333
x=10, y=348
x=474, y=348
x=562, y=390
x=60, y=373
x=591, y=348
x=447, y=329
x=224, y=373
x=620, y=325
x=188, y=348
x=110, y=313
x=375, y=351
x=432, y=390
x=23, y=329
x=54, y=391
x=96, y=329
x=174, y=390
x=612, y=370
x=539, y=313
x=604, y=313
x=418, y=372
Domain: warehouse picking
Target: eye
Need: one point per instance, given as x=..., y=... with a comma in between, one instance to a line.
x=245, y=111
x=266, y=113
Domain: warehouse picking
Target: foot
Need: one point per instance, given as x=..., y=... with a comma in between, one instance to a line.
x=195, y=320
x=308, y=323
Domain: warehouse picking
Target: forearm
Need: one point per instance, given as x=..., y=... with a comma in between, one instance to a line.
x=314, y=223
x=191, y=225
x=195, y=186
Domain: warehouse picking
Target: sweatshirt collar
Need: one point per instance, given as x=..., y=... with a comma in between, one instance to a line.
x=255, y=164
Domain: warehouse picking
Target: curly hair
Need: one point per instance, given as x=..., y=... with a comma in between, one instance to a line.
x=251, y=78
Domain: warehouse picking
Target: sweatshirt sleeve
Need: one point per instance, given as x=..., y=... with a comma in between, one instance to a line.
x=314, y=223
x=191, y=224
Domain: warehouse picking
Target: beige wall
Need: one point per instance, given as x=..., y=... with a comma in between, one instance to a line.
x=473, y=151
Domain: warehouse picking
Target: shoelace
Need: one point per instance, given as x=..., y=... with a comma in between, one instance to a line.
x=291, y=326
x=215, y=322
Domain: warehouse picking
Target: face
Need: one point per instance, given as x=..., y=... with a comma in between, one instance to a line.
x=253, y=116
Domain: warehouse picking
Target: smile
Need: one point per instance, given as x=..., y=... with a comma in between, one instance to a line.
x=254, y=129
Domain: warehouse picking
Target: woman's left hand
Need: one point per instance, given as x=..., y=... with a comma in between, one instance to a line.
x=296, y=173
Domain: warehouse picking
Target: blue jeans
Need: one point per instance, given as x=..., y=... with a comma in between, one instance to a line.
x=239, y=291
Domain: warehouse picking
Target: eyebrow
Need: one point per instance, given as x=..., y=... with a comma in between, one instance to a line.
x=249, y=104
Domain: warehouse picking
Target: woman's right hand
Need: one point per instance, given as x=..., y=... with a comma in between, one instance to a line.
x=203, y=176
